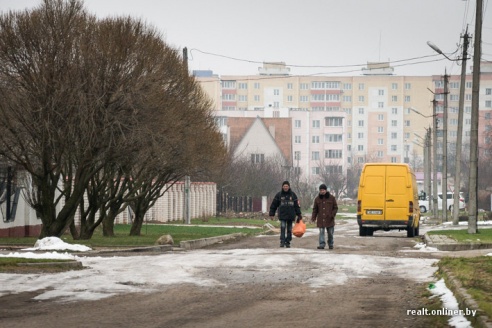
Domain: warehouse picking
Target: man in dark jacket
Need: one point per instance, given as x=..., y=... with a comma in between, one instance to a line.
x=324, y=210
x=288, y=208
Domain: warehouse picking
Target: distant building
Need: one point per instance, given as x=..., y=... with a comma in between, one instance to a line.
x=344, y=121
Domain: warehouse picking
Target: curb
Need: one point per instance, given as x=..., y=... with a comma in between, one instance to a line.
x=455, y=246
x=69, y=264
x=199, y=243
x=481, y=320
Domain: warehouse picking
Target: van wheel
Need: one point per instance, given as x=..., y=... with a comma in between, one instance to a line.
x=416, y=232
x=410, y=232
x=423, y=209
x=370, y=231
x=362, y=231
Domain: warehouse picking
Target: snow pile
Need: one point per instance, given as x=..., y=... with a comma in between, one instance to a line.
x=55, y=243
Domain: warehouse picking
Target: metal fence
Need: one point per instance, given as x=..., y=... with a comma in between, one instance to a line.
x=226, y=202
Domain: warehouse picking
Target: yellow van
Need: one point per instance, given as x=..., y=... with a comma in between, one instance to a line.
x=387, y=199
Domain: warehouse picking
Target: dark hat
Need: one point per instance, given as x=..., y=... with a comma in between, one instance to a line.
x=323, y=186
x=285, y=183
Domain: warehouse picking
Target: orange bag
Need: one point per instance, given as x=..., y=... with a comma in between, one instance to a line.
x=299, y=229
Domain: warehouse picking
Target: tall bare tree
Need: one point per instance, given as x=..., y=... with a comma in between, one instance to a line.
x=77, y=93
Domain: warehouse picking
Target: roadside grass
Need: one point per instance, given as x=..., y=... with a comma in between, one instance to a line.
x=29, y=265
x=148, y=237
x=432, y=303
x=475, y=275
x=462, y=235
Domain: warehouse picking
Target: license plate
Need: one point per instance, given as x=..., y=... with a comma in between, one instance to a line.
x=374, y=212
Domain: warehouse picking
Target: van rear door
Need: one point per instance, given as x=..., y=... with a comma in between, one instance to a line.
x=374, y=189
x=397, y=188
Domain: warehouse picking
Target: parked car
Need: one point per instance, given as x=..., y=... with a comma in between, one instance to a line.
x=424, y=203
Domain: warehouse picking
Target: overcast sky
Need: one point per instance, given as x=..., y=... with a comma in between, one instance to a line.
x=234, y=37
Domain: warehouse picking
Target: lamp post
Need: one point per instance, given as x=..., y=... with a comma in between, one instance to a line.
x=427, y=165
x=434, y=156
x=459, y=134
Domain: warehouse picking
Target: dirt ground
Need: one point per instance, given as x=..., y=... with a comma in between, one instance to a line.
x=379, y=301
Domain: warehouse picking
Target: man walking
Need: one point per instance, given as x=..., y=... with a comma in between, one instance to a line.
x=324, y=210
x=288, y=207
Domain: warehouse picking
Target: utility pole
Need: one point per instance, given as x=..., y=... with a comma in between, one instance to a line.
x=459, y=137
x=187, y=185
x=434, y=158
x=427, y=160
x=445, y=152
x=477, y=53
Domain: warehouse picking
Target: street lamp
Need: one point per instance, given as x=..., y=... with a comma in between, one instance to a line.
x=434, y=156
x=427, y=164
x=459, y=133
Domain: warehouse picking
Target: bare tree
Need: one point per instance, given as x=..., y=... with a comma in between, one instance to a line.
x=77, y=93
x=331, y=173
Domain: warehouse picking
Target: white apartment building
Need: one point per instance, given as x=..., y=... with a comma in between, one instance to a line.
x=339, y=121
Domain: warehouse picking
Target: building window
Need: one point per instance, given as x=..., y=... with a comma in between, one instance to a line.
x=360, y=135
x=304, y=98
x=381, y=92
x=380, y=129
x=315, y=155
x=297, y=155
x=394, y=86
x=289, y=98
x=380, y=117
x=257, y=158
x=333, y=169
x=454, y=85
x=408, y=86
x=304, y=86
x=333, y=138
x=393, y=159
x=297, y=139
x=316, y=124
x=257, y=85
x=257, y=98
x=229, y=96
x=361, y=98
x=394, y=111
x=380, y=141
x=394, y=135
x=488, y=103
x=315, y=139
x=290, y=86
x=315, y=170
x=243, y=86
x=297, y=123
x=407, y=98
x=347, y=98
x=393, y=148
x=361, y=123
x=380, y=153
x=360, y=147
x=347, y=86
x=333, y=121
x=407, y=122
x=361, y=86
x=228, y=84
x=243, y=98
x=361, y=110
x=394, y=123
x=488, y=91
x=333, y=153
x=394, y=98
x=380, y=104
